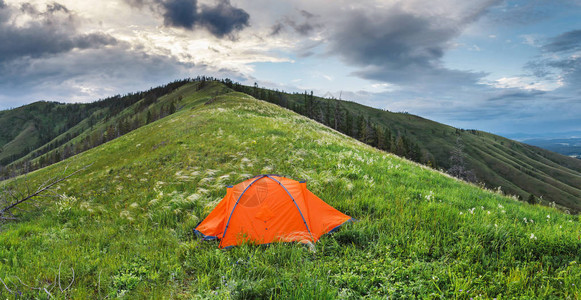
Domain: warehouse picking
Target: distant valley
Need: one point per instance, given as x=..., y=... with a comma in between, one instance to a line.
x=567, y=146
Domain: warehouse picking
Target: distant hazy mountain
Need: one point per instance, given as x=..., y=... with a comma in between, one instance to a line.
x=570, y=147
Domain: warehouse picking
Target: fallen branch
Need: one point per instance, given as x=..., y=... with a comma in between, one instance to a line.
x=42, y=288
x=12, y=199
x=73, y=280
x=4, y=283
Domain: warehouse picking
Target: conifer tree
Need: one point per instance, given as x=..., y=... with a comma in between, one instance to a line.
x=532, y=200
x=149, y=117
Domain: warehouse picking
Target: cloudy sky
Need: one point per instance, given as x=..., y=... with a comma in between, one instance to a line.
x=501, y=66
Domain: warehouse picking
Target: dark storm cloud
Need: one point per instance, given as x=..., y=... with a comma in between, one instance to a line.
x=92, y=74
x=137, y=3
x=221, y=19
x=516, y=95
x=115, y=63
x=559, y=61
x=180, y=13
x=276, y=29
x=538, y=68
x=303, y=27
x=49, y=32
x=568, y=41
x=570, y=71
x=396, y=40
x=397, y=47
x=55, y=7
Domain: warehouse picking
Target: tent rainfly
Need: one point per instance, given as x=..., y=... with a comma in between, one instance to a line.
x=269, y=208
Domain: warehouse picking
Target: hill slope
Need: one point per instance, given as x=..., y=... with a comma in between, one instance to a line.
x=516, y=168
x=27, y=127
x=125, y=224
x=43, y=133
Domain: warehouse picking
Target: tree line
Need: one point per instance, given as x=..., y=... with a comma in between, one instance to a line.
x=333, y=114
x=104, y=122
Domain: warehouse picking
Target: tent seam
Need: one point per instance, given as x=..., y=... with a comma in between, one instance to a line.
x=236, y=204
x=300, y=212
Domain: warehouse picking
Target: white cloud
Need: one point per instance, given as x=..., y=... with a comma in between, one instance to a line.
x=532, y=40
x=525, y=83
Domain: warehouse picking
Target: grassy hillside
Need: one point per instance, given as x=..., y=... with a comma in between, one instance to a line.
x=49, y=132
x=27, y=127
x=125, y=224
x=517, y=168
x=42, y=133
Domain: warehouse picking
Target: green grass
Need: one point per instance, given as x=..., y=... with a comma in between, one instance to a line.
x=62, y=129
x=125, y=224
x=488, y=155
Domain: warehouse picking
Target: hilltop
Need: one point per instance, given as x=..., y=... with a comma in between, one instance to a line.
x=524, y=171
x=124, y=225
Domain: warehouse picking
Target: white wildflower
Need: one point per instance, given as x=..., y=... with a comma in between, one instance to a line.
x=125, y=214
x=65, y=203
x=487, y=212
x=193, y=197
x=472, y=210
x=500, y=205
x=525, y=220
x=533, y=236
x=244, y=176
x=349, y=186
x=495, y=225
x=461, y=213
x=134, y=205
x=85, y=205
x=548, y=216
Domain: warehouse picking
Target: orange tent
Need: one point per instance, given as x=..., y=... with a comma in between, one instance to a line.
x=269, y=208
